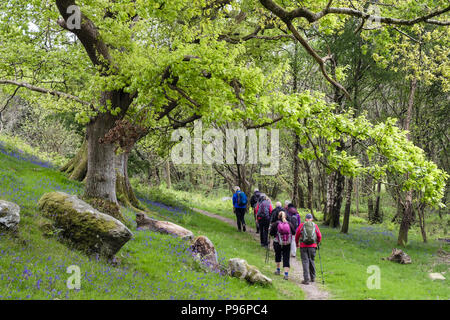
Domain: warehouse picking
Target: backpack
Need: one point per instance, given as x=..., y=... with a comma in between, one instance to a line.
x=284, y=235
x=294, y=221
x=241, y=199
x=309, y=233
x=264, y=210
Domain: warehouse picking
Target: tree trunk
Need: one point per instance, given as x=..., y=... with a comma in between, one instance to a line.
x=330, y=191
x=310, y=184
x=169, y=181
x=407, y=218
x=348, y=203
x=370, y=206
x=124, y=191
x=421, y=214
x=101, y=174
x=301, y=197
x=357, y=196
x=336, y=201
x=296, y=170
x=377, y=218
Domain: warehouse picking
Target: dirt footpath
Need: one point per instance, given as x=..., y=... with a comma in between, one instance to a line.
x=313, y=291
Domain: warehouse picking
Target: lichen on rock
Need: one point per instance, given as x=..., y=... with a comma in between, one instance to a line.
x=87, y=228
x=9, y=215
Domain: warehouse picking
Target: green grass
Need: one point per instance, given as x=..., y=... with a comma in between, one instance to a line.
x=346, y=257
x=151, y=265
x=155, y=266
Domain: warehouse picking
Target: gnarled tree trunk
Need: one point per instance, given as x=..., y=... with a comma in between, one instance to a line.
x=76, y=168
x=124, y=191
x=101, y=174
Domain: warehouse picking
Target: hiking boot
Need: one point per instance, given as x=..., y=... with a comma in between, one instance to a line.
x=243, y=228
x=286, y=277
x=305, y=282
x=312, y=280
x=277, y=272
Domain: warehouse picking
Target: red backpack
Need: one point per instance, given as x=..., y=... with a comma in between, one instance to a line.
x=284, y=235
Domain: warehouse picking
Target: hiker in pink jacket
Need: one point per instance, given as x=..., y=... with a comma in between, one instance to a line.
x=307, y=237
x=282, y=231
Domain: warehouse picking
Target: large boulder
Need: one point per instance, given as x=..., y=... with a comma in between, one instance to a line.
x=87, y=228
x=204, y=251
x=9, y=215
x=146, y=223
x=239, y=268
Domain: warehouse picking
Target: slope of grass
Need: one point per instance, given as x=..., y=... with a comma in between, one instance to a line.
x=150, y=266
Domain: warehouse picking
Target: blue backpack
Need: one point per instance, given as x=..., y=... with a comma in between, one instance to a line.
x=241, y=199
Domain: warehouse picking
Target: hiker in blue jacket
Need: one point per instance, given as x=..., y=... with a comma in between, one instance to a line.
x=240, y=207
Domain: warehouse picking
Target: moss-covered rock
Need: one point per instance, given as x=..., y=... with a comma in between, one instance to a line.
x=106, y=207
x=239, y=268
x=87, y=228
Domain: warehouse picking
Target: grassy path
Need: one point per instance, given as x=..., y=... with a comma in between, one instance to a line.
x=313, y=291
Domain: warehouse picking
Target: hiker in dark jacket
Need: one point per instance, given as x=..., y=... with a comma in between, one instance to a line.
x=275, y=212
x=239, y=209
x=282, y=250
x=253, y=202
x=294, y=217
x=308, y=250
x=264, y=210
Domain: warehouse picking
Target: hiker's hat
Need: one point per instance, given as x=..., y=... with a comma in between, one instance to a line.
x=309, y=216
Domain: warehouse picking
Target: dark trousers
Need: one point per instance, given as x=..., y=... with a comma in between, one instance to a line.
x=309, y=268
x=282, y=252
x=240, y=213
x=256, y=220
x=264, y=231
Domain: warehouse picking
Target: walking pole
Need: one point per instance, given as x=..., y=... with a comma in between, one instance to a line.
x=320, y=260
x=268, y=251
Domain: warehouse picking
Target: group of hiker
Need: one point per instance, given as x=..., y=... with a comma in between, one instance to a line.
x=283, y=224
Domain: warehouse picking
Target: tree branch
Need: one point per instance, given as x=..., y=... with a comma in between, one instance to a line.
x=265, y=124
x=88, y=35
x=45, y=90
x=9, y=99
